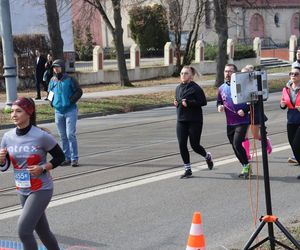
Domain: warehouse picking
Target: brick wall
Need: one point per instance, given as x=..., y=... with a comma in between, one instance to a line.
x=282, y=53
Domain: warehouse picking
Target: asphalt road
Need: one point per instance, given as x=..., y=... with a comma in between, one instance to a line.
x=127, y=193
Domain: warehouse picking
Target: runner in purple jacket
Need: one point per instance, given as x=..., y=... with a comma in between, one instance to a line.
x=237, y=119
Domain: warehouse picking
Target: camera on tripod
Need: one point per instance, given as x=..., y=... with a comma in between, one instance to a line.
x=243, y=86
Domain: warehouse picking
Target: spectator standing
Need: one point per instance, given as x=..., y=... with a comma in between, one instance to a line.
x=290, y=99
x=237, y=119
x=64, y=92
x=189, y=100
x=292, y=159
x=26, y=147
x=297, y=62
x=40, y=62
x=48, y=71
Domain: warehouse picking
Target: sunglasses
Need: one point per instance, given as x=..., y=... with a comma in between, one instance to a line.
x=294, y=74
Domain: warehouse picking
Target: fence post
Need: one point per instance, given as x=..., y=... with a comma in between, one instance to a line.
x=98, y=58
x=135, y=56
x=230, y=50
x=257, y=48
x=292, y=48
x=168, y=54
x=199, y=53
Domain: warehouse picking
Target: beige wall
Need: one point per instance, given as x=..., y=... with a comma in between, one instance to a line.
x=279, y=34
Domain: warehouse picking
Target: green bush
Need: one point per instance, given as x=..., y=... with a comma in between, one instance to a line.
x=240, y=52
x=243, y=51
x=24, y=48
x=149, y=27
x=83, y=42
x=210, y=52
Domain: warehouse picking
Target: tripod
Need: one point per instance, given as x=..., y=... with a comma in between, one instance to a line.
x=268, y=219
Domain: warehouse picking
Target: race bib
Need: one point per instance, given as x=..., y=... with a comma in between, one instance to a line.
x=50, y=95
x=22, y=178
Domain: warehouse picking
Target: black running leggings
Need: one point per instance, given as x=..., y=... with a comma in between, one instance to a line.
x=193, y=131
x=236, y=135
x=33, y=217
x=293, y=131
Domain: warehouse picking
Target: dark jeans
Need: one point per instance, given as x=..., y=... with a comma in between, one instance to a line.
x=236, y=135
x=293, y=131
x=193, y=131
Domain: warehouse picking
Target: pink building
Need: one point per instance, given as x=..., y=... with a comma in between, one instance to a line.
x=79, y=17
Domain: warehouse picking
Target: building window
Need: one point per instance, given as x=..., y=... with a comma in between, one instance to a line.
x=276, y=19
x=296, y=22
x=256, y=23
x=129, y=34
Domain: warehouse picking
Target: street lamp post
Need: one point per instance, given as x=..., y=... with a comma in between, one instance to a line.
x=8, y=54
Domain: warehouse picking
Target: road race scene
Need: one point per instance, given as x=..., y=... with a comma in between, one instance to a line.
x=149, y=125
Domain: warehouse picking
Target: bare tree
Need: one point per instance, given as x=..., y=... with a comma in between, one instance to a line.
x=184, y=15
x=193, y=34
x=117, y=34
x=221, y=27
x=56, y=40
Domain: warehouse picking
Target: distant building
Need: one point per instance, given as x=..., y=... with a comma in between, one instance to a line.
x=274, y=19
x=29, y=17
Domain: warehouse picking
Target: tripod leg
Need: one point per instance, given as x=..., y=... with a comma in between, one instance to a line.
x=283, y=245
x=254, y=235
x=287, y=234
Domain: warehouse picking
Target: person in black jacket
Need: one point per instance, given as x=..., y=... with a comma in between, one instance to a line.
x=39, y=73
x=189, y=100
x=48, y=72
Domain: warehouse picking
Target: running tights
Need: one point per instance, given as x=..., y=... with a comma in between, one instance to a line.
x=236, y=135
x=193, y=131
x=293, y=131
x=33, y=217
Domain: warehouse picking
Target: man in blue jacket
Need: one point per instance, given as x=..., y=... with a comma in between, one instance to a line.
x=64, y=92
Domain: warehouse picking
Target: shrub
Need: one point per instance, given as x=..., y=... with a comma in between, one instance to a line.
x=24, y=48
x=149, y=27
x=243, y=51
x=210, y=52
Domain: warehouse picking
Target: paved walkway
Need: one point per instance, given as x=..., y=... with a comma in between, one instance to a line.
x=147, y=90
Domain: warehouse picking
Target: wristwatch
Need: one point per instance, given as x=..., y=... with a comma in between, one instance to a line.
x=44, y=169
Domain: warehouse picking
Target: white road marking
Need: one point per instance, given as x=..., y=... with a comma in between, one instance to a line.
x=124, y=184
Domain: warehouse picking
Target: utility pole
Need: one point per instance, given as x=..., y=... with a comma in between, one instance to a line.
x=8, y=54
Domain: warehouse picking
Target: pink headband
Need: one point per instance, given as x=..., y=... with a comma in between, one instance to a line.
x=26, y=104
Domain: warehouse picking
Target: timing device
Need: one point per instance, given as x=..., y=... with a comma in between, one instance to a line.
x=243, y=86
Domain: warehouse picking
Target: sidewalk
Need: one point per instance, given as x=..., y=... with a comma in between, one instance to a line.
x=147, y=90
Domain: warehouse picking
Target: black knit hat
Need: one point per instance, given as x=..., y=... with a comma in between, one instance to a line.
x=58, y=63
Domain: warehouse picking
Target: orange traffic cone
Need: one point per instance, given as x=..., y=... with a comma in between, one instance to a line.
x=196, y=239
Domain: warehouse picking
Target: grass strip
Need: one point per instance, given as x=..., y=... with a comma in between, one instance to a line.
x=124, y=104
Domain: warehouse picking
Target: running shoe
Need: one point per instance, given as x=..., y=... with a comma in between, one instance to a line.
x=269, y=146
x=246, y=171
x=75, y=163
x=66, y=163
x=292, y=160
x=210, y=163
x=298, y=177
x=187, y=174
